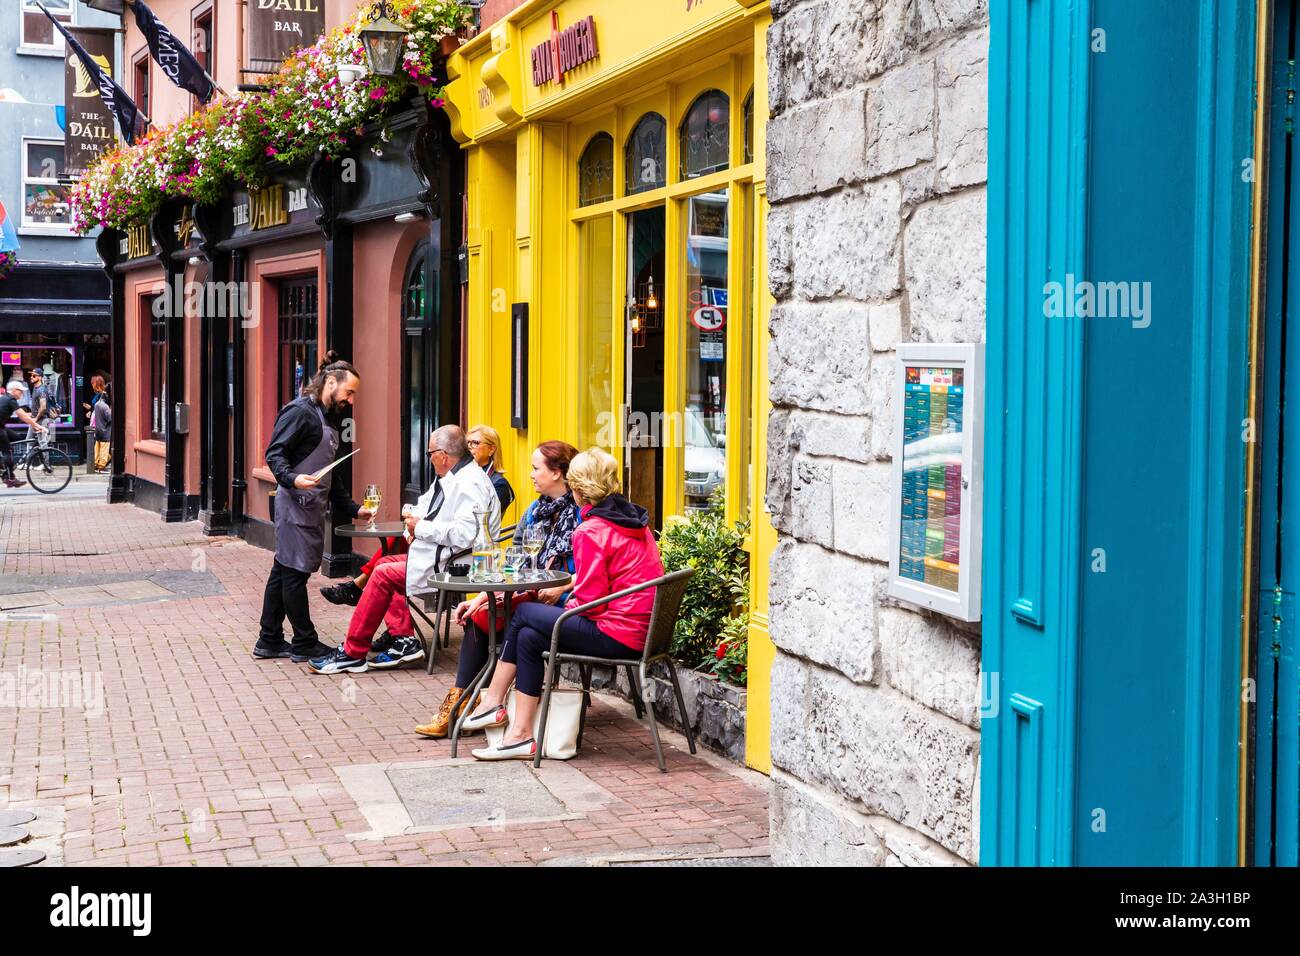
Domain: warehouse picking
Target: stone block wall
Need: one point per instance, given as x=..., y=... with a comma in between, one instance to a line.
x=877, y=149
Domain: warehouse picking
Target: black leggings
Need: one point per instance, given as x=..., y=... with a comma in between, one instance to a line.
x=528, y=636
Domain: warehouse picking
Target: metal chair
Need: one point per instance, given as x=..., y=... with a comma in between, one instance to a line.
x=669, y=591
x=442, y=607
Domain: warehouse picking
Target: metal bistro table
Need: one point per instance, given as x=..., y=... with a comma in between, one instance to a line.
x=510, y=584
x=383, y=530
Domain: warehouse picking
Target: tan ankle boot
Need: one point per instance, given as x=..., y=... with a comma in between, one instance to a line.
x=440, y=725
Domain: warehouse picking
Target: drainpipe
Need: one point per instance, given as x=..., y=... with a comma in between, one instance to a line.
x=238, y=480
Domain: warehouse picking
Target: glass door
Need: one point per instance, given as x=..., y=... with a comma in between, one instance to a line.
x=644, y=367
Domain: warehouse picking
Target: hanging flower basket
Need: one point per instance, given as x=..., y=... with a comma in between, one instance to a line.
x=307, y=110
x=448, y=45
x=8, y=263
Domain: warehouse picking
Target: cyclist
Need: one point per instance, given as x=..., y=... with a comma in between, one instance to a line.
x=9, y=407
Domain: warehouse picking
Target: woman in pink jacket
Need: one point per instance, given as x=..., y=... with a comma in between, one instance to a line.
x=613, y=549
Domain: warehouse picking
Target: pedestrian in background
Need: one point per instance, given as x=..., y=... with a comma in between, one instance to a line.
x=101, y=420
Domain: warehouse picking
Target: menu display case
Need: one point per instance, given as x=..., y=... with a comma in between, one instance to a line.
x=938, y=476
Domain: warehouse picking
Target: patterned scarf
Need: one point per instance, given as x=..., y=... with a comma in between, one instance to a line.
x=559, y=516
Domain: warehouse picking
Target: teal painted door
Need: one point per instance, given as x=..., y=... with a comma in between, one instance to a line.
x=1277, y=667
x=1114, y=454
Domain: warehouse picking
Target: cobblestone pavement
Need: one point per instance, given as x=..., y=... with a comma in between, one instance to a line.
x=136, y=724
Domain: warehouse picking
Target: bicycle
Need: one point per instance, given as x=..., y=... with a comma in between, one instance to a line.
x=49, y=469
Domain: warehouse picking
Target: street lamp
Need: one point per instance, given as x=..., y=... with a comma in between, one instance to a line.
x=383, y=41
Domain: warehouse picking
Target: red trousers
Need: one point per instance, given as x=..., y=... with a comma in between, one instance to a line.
x=398, y=545
x=382, y=599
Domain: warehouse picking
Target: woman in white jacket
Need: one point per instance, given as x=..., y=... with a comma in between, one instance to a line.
x=441, y=523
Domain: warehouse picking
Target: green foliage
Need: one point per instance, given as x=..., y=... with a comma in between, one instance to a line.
x=717, y=596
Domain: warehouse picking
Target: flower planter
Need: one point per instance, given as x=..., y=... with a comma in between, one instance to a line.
x=716, y=709
x=448, y=45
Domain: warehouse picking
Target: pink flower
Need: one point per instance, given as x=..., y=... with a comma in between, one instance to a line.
x=377, y=93
x=270, y=150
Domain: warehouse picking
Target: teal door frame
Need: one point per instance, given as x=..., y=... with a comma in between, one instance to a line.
x=1277, y=663
x=1113, y=576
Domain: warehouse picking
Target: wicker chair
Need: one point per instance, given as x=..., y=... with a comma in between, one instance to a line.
x=669, y=591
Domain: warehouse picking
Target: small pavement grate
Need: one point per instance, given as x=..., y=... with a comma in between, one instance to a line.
x=472, y=793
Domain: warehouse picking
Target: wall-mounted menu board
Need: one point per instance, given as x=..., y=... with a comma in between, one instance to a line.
x=938, y=457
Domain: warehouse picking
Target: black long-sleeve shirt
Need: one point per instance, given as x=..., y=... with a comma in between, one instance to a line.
x=296, y=434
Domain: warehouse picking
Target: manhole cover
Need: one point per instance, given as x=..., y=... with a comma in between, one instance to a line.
x=11, y=835
x=473, y=794
x=21, y=857
x=15, y=818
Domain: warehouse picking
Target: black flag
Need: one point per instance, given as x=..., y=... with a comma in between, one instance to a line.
x=114, y=97
x=176, y=61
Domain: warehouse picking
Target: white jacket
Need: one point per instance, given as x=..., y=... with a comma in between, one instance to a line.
x=466, y=490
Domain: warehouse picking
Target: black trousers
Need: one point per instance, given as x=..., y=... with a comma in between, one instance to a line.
x=286, y=596
x=6, y=454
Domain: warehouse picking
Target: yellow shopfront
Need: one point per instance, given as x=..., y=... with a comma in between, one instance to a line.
x=617, y=289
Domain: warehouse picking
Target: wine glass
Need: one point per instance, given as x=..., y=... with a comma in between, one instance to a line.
x=371, y=502
x=534, y=539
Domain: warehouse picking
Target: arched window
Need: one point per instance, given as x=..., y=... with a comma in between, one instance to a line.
x=596, y=171
x=705, y=136
x=643, y=155
x=749, y=127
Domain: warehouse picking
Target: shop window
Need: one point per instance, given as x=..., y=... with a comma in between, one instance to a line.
x=45, y=200
x=705, y=135
x=749, y=127
x=38, y=32
x=707, y=309
x=419, y=305
x=299, y=336
x=643, y=155
x=595, y=333
x=140, y=81
x=596, y=171
x=56, y=363
x=202, y=47
x=157, y=366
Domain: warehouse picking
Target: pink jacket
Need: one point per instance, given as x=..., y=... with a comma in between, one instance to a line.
x=614, y=549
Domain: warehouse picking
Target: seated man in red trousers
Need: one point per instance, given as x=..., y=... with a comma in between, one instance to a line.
x=442, y=523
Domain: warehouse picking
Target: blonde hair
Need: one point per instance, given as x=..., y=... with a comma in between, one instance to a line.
x=489, y=434
x=594, y=475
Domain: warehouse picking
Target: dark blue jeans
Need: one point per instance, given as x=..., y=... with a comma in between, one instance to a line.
x=528, y=637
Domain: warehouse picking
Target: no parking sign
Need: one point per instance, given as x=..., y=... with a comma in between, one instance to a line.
x=708, y=318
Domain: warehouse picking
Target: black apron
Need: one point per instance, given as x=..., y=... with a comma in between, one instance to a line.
x=300, y=514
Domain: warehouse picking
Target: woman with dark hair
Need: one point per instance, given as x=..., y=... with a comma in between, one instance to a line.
x=556, y=512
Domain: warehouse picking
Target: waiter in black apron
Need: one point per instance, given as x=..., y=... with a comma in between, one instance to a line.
x=304, y=441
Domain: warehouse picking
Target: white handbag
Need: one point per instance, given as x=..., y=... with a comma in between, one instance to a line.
x=561, y=723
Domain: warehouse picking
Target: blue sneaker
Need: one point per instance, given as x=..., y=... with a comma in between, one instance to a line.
x=403, y=650
x=338, y=663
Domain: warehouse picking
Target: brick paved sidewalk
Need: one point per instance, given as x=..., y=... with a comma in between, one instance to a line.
x=141, y=731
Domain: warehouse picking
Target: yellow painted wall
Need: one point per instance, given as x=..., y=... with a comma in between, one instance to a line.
x=523, y=145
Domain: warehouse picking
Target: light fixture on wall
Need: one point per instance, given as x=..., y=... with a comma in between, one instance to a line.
x=646, y=306
x=638, y=330
x=383, y=40
x=349, y=73
x=408, y=216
